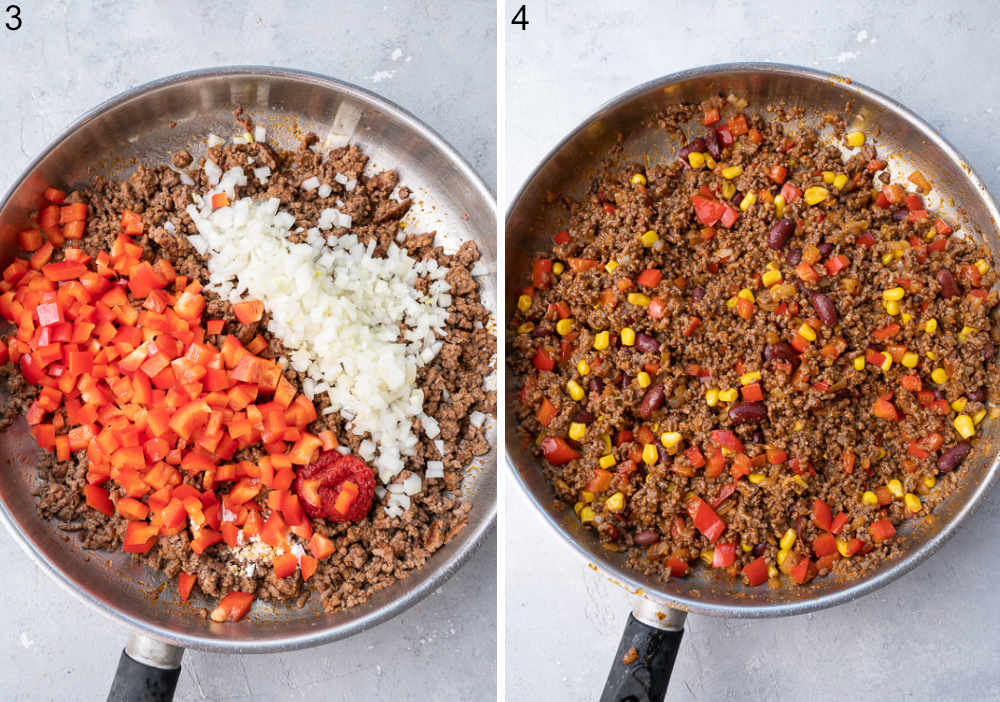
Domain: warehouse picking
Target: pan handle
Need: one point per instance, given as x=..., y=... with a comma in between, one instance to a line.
x=147, y=671
x=645, y=658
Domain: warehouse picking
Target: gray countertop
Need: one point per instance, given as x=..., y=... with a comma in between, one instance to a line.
x=435, y=58
x=932, y=635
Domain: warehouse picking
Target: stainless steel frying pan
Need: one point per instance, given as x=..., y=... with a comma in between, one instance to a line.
x=149, y=123
x=656, y=626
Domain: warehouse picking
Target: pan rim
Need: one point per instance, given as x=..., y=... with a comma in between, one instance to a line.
x=858, y=588
x=438, y=573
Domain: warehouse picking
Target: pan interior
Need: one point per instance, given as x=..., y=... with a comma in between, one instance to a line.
x=569, y=169
x=148, y=125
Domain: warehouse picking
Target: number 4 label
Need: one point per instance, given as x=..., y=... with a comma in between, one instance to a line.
x=521, y=18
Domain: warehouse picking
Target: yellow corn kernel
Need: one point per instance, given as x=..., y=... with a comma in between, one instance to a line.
x=982, y=266
x=628, y=336
x=815, y=195
x=869, y=498
x=587, y=514
x=930, y=481
x=526, y=328
x=524, y=303
x=649, y=238
x=670, y=439
x=587, y=496
x=906, y=317
x=611, y=266
x=779, y=205
x=746, y=294
x=930, y=326
x=731, y=302
x=772, y=572
x=886, y=259
x=756, y=478
x=748, y=201
x=574, y=390
x=747, y=548
x=910, y=359
x=749, y=377
x=842, y=548
x=728, y=190
x=881, y=454
x=964, y=334
x=564, y=326
x=712, y=397
x=771, y=277
x=895, y=487
x=615, y=502
x=801, y=482
x=578, y=507
x=965, y=426
x=856, y=139
x=607, y=461
x=939, y=376
x=638, y=299
x=959, y=404
x=828, y=176
x=782, y=555
x=710, y=162
x=602, y=340
x=707, y=556
x=558, y=267
x=577, y=431
x=638, y=179
x=840, y=181
x=896, y=293
x=650, y=455
x=859, y=363
x=788, y=540
x=606, y=440
x=979, y=416
x=643, y=379
x=886, y=363
x=807, y=332
x=583, y=368
x=696, y=159
x=891, y=307
x=912, y=502
x=728, y=395
x=731, y=172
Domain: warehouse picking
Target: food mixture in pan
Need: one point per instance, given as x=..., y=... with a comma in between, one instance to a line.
x=246, y=371
x=764, y=355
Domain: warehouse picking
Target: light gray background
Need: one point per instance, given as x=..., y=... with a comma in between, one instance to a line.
x=934, y=634
x=435, y=58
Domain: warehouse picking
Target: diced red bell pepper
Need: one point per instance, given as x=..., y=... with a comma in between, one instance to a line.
x=695, y=457
x=233, y=607
x=285, y=565
x=837, y=263
x=542, y=360
x=63, y=270
x=308, y=566
x=752, y=392
x=755, y=572
x=320, y=546
x=727, y=439
x=677, y=567
x=790, y=193
x=707, y=210
x=729, y=216
x=249, y=311
x=824, y=545
x=541, y=275
x=822, y=515
x=131, y=508
x=73, y=213
x=839, y=522
x=546, y=412
x=139, y=537
x=557, y=451
x=723, y=555
x=884, y=409
x=650, y=278
x=600, y=481
x=882, y=529
x=854, y=545
x=800, y=571
x=99, y=499
x=886, y=332
x=705, y=519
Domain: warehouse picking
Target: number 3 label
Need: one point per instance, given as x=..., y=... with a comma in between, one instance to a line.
x=14, y=13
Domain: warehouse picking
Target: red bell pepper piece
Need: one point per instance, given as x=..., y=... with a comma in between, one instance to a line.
x=723, y=555
x=727, y=439
x=185, y=583
x=541, y=274
x=839, y=522
x=705, y=519
x=800, y=571
x=233, y=607
x=99, y=499
x=285, y=565
x=755, y=572
x=557, y=451
x=677, y=567
x=707, y=210
x=824, y=545
x=249, y=311
x=822, y=515
x=882, y=530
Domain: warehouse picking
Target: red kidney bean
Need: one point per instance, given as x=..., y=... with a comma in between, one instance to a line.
x=696, y=145
x=758, y=437
x=646, y=343
x=988, y=350
x=698, y=294
x=825, y=249
x=950, y=459
x=712, y=144
x=647, y=537
x=747, y=413
x=939, y=395
x=584, y=417
x=759, y=549
x=978, y=395
x=949, y=288
x=596, y=385
x=623, y=381
x=782, y=351
x=900, y=215
x=652, y=400
x=781, y=232
x=539, y=332
x=794, y=256
x=825, y=309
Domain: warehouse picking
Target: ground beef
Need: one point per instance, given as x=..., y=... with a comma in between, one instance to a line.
x=814, y=435
x=376, y=552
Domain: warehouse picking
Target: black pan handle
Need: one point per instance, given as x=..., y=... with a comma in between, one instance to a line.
x=147, y=671
x=645, y=658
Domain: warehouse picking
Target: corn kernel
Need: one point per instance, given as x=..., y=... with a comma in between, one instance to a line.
x=910, y=359
x=886, y=362
x=524, y=303
x=756, y=478
x=650, y=455
x=746, y=294
x=895, y=487
x=931, y=355
x=707, y=556
x=564, y=326
x=587, y=496
x=728, y=190
x=611, y=266
x=748, y=201
x=939, y=376
x=731, y=172
x=577, y=431
x=979, y=416
x=869, y=498
x=788, y=540
x=959, y=404
x=643, y=379
x=856, y=139
x=930, y=326
x=881, y=454
x=602, y=340
x=828, y=176
x=526, y=328
x=840, y=181
x=710, y=162
x=747, y=548
x=965, y=426
x=912, y=502
x=886, y=259
x=615, y=502
x=859, y=363
x=807, y=332
x=728, y=395
x=649, y=238
x=577, y=508
x=782, y=555
x=731, y=302
x=982, y=266
x=842, y=548
x=964, y=334
x=583, y=368
x=558, y=267
x=891, y=307
x=770, y=277
x=670, y=439
x=638, y=179
x=779, y=205
x=712, y=397
x=638, y=299
x=799, y=425
x=906, y=317
x=749, y=377
x=587, y=514
x=772, y=572
x=801, y=482
x=696, y=159
x=896, y=293
x=930, y=481
x=607, y=461
x=815, y=195
x=628, y=337
x=574, y=390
